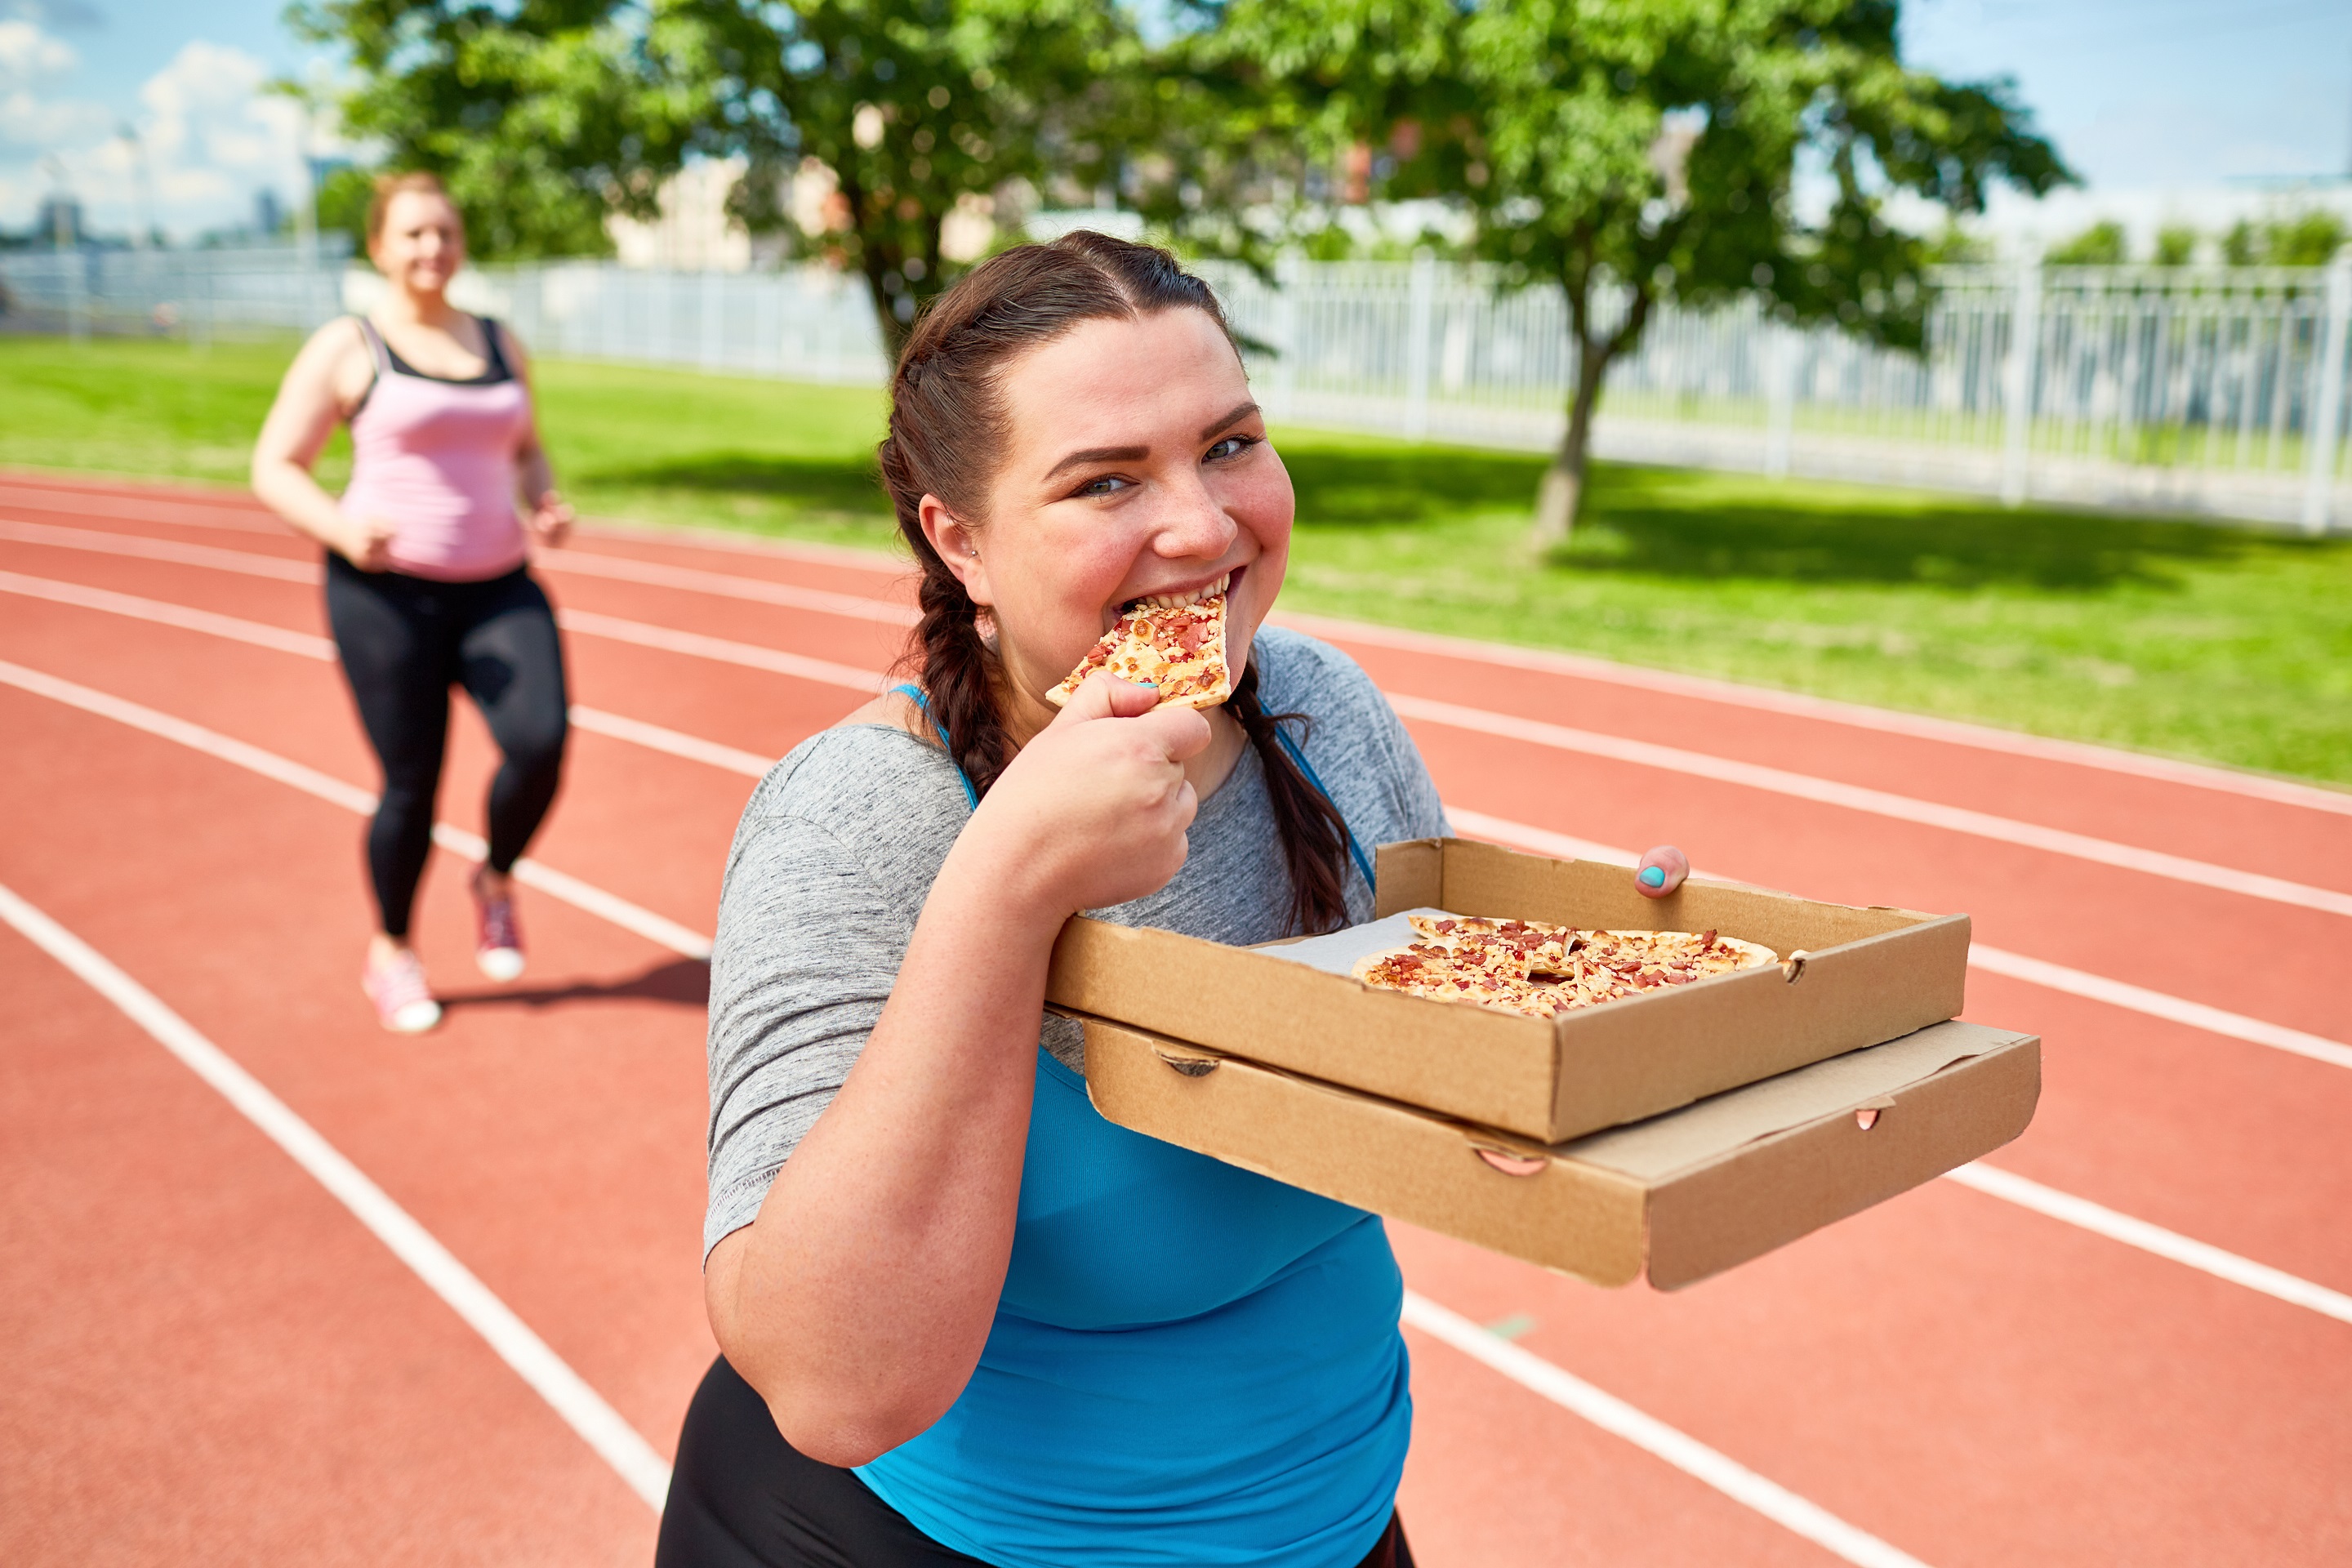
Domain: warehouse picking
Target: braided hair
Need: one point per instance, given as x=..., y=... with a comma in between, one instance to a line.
x=947, y=411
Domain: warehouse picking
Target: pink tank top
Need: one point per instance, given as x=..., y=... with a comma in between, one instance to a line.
x=436, y=459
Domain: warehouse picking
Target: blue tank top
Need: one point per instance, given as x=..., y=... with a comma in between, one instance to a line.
x=1190, y=1366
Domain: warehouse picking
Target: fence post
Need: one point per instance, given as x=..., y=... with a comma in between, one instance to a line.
x=1421, y=306
x=1781, y=351
x=2018, y=378
x=2326, y=417
x=1287, y=276
x=77, y=295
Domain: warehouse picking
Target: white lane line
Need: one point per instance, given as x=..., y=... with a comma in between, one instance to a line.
x=1535, y=732
x=1992, y=960
x=590, y=622
x=233, y=627
x=582, y=1408
x=581, y=895
x=1861, y=716
x=751, y=765
x=584, y=563
x=658, y=738
x=211, y=556
x=824, y=671
x=2156, y=1004
x=1653, y=1436
x=1876, y=801
x=625, y=568
x=653, y=736
x=1586, y=667
x=246, y=518
x=595, y=900
x=2154, y=1238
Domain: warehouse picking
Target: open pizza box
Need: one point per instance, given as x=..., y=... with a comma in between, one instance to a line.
x=1847, y=978
x=1679, y=1197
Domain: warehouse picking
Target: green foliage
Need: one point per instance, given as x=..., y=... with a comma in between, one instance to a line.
x=342, y=202
x=1956, y=247
x=2306, y=238
x=547, y=116
x=2176, y=245
x=1654, y=148
x=2103, y=244
x=543, y=116
x=913, y=105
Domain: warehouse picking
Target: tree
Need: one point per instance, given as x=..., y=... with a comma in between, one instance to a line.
x=2176, y=245
x=544, y=117
x=1638, y=152
x=912, y=107
x=2306, y=238
x=2101, y=245
x=548, y=116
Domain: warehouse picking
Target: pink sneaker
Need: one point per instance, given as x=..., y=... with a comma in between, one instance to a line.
x=404, y=1002
x=498, y=945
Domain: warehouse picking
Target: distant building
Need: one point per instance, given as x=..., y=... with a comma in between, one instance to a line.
x=693, y=232
x=267, y=216
x=61, y=221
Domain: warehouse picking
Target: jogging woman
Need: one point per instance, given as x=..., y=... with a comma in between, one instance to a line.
x=427, y=585
x=965, y=1319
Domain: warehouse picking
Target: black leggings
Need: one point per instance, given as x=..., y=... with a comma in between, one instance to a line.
x=405, y=642
x=741, y=1497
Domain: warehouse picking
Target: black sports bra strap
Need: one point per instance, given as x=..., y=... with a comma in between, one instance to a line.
x=492, y=350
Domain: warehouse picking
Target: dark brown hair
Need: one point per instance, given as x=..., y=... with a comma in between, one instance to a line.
x=947, y=420
x=390, y=185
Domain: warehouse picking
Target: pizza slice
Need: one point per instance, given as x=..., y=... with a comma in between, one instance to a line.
x=1176, y=643
x=1448, y=974
x=1707, y=953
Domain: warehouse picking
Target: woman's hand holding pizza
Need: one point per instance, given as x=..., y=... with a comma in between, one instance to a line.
x=1093, y=812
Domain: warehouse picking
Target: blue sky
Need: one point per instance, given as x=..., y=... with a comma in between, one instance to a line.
x=2175, y=108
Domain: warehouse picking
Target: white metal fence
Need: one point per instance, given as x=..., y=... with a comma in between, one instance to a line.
x=2206, y=391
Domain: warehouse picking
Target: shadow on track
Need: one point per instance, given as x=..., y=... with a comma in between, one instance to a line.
x=681, y=982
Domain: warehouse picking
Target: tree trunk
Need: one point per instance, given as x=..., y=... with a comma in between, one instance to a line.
x=1563, y=496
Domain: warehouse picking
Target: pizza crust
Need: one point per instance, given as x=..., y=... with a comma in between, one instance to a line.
x=1180, y=648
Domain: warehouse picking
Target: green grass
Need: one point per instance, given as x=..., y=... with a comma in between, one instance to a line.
x=2223, y=643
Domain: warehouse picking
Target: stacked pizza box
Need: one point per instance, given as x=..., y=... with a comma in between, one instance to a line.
x=1804, y=1066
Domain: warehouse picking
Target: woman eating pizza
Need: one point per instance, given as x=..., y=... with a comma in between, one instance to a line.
x=964, y=1319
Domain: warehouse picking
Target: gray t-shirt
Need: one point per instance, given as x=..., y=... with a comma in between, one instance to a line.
x=839, y=846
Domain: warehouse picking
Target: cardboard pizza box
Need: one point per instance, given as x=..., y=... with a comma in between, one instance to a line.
x=1848, y=977
x=1679, y=1197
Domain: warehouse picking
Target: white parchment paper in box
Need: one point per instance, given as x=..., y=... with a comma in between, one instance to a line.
x=1338, y=951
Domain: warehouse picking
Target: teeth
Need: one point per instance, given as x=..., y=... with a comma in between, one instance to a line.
x=1178, y=601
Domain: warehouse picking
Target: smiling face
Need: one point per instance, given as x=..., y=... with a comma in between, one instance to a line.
x=422, y=243
x=1136, y=464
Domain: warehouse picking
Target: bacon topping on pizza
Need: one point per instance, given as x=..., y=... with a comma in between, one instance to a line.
x=1175, y=642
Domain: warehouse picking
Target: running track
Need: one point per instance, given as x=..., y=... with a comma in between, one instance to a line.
x=338, y=1296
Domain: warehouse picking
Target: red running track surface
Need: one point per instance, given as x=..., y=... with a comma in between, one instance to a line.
x=217, y=1364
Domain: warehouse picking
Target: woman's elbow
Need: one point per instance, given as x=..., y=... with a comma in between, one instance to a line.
x=846, y=1434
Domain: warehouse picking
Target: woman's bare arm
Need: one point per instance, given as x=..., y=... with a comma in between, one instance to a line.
x=549, y=516
x=319, y=388
x=858, y=1300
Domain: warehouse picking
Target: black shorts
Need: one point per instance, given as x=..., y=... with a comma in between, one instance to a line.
x=741, y=1497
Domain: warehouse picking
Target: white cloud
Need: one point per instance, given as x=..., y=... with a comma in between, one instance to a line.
x=28, y=56
x=210, y=135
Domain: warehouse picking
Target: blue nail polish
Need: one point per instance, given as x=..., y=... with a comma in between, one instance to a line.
x=1654, y=876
